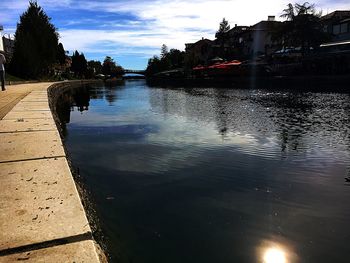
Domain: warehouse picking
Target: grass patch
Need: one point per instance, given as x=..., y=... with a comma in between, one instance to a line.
x=9, y=77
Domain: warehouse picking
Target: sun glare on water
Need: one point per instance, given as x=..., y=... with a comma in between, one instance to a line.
x=274, y=255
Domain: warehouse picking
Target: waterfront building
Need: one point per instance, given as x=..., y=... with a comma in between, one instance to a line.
x=199, y=52
x=337, y=24
x=233, y=46
x=257, y=40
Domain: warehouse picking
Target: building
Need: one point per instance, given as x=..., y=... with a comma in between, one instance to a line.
x=229, y=47
x=337, y=24
x=199, y=52
x=1, y=43
x=258, y=39
x=234, y=34
x=234, y=49
x=7, y=44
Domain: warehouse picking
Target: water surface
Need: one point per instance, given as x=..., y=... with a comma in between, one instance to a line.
x=214, y=175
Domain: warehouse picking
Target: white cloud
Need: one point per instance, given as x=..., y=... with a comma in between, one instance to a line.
x=173, y=22
x=137, y=41
x=176, y=22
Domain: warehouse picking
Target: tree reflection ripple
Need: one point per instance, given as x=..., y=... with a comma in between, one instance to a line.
x=208, y=175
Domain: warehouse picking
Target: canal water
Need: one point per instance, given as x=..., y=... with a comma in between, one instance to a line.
x=214, y=175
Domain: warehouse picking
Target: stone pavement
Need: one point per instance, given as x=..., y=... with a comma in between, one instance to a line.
x=41, y=215
x=13, y=94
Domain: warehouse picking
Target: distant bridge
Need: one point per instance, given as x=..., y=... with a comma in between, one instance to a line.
x=134, y=71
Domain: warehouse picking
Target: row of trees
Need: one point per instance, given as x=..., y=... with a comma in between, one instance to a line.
x=38, y=53
x=168, y=60
x=81, y=68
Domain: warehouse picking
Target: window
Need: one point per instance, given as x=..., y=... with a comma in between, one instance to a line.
x=336, y=29
x=344, y=28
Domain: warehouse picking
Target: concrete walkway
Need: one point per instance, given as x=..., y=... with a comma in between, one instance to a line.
x=13, y=94
x=41, y=215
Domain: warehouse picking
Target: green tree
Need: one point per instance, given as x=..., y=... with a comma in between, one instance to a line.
x=79, y=64
x=222, y=35
x=61, y=54
x=302, y=28
x=95, y=66
x=163, y=51
x=153, y=66
x=175, y=58
x=223, y=29
x=110, y=67
x=168, y=60
x=36, y=42
x=288, y=13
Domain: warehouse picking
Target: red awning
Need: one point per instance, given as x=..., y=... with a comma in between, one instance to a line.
x=199, y=67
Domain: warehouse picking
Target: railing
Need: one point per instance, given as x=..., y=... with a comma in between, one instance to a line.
x=142, y=72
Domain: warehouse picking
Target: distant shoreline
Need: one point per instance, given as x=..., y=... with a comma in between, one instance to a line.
x=297, y=82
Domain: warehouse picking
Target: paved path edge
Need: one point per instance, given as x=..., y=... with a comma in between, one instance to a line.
x=54, y=92
x=70, y=240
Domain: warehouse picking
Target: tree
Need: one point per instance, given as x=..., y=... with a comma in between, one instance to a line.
x=36, y=42
x=163, y=51
x=175, y=58
x=223, y=29
x=168, y=60
x=95, y=66
x=79, y=64
x=288, y=13
x=110, y=67
x=302, y=28
x=61, y=54
x=153, y=66
x=222, y=35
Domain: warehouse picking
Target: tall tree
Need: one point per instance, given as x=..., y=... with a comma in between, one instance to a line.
x=79, y=64
x=163, y=51
x=36, y=42
x=153, y=66
x=224, y=27
x=222, y=35
x=61, y=54
x=176, y=58
x=95, y=66
x=108, y=66
x=288, y=13
x=302, y=28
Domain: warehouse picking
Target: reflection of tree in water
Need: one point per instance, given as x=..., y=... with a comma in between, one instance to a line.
x=292, y=113
x=78, y=97
x=319, y=117
x=96, y=94
x=222, y=107
x=110, y=90
x=81, y=99
x=299, y=121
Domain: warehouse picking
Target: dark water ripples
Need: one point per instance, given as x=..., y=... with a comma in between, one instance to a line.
x=231, y=171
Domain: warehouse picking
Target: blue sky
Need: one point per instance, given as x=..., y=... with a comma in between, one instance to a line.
x=132, y=31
